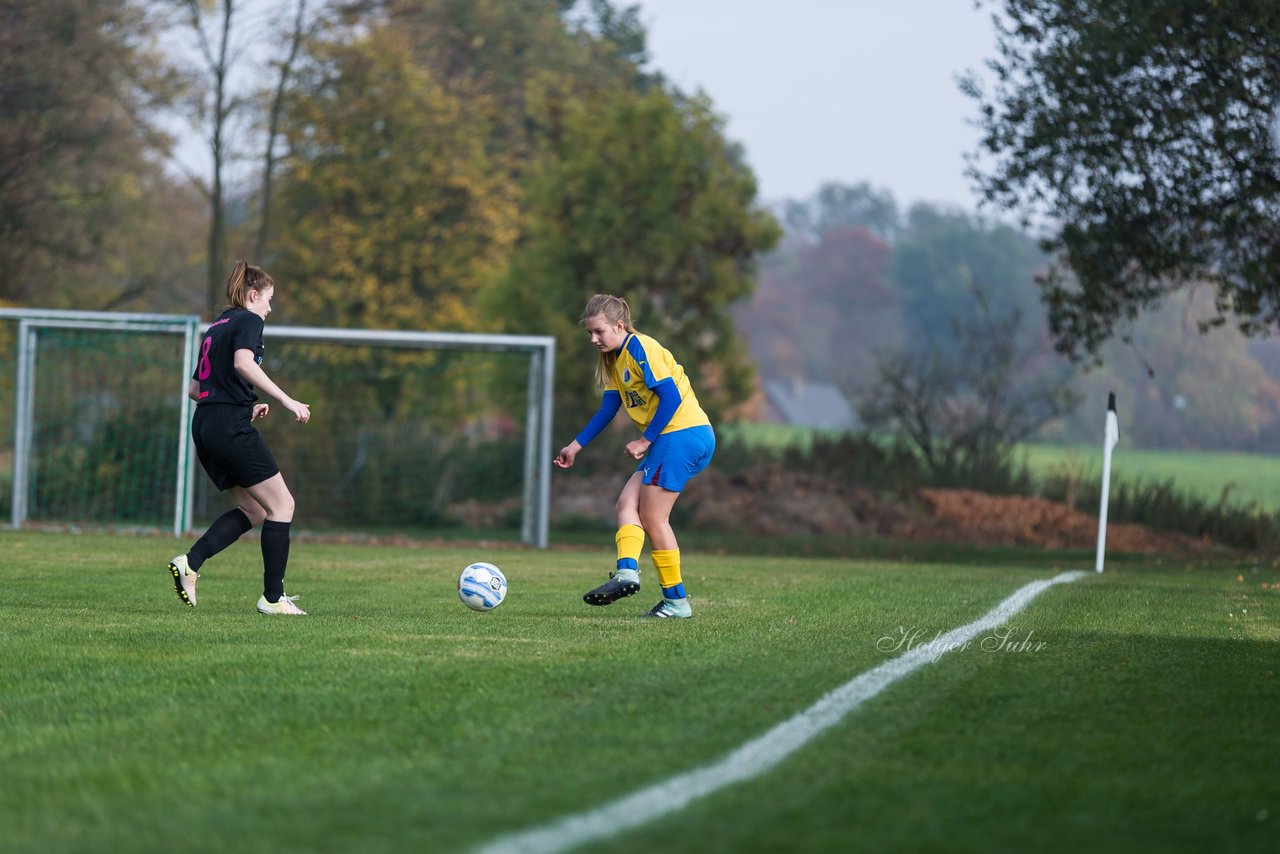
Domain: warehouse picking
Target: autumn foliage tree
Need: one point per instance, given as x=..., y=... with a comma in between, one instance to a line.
x=392, y=213
x=822, y=310
x=1187, y=389
x=947, y=264
x=83, y=203
x=639, y=194
x=489, y=165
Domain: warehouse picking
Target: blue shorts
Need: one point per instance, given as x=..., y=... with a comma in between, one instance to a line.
x=675, y=457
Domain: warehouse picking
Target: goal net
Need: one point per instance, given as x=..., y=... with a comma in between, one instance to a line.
x=412, y=434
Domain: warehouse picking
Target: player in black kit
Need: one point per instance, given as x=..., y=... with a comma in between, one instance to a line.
x=228, y=371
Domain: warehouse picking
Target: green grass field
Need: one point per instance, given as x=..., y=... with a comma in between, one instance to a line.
x=1210, y=474
x=1241, y=477
x=394, y=719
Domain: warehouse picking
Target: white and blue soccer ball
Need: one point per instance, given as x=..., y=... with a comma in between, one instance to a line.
x=482, y=587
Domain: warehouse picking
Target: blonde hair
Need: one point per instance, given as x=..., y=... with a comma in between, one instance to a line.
x=614, y=310
x=246, y=277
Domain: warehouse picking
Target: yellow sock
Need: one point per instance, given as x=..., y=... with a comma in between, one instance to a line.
x=630, y=540
x=667, y=563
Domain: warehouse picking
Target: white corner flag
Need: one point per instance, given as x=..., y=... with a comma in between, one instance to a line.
x=1112, y=436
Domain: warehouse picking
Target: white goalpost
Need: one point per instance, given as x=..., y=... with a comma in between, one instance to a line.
x=418, y=426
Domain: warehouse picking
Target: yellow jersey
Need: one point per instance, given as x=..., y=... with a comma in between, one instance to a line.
x=642, y=365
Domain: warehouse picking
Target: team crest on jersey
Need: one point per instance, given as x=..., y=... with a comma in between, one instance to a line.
x=626, y=375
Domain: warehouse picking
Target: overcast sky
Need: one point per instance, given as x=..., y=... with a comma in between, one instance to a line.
x=814, y=90
x=834, y=90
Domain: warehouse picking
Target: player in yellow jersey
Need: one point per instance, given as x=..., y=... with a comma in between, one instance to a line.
x=676, y=442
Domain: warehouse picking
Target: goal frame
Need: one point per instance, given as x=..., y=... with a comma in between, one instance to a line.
x=30, y=322
x=536, y=504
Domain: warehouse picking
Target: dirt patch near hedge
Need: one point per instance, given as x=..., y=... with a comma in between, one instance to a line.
x=1019, y=520
x=770, y=501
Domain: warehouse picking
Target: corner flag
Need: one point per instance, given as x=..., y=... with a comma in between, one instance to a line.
x=1112, y=436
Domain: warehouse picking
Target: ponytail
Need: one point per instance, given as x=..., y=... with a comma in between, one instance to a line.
x=245, y=277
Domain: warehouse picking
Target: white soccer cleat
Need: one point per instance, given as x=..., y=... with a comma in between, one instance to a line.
x=671, y=608
x=284, y=606
x=184, y=579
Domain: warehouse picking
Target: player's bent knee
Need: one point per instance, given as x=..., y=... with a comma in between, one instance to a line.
x=651, y=519
x=283, y=508
x=255, y=514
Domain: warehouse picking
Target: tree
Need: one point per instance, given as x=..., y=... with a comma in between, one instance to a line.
x=965, y=410
x=947, y=263
x=284, y=70
x=234, y=41
x=638, y=194
x=822, y=311
x=492, y=54
x=1142, y=133
x=839, y=206
x=79, y=180
x=214, y=108
x=1179, y=388
x=832, y=298
x=392, y=214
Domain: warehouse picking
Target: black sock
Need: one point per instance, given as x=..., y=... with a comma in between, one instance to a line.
x=224, y=531
x=275, y=557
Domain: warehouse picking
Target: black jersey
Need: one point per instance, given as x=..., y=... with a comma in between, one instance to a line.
x=236, y=329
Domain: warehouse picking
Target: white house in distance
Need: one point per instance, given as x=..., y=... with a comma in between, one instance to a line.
x=809, y=404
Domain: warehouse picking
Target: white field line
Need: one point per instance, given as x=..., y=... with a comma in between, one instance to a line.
x=762, y=753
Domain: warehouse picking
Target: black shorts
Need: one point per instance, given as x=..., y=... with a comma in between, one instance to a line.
x=229, y=447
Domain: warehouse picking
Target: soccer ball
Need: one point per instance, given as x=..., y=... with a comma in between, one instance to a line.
x=482, y=587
